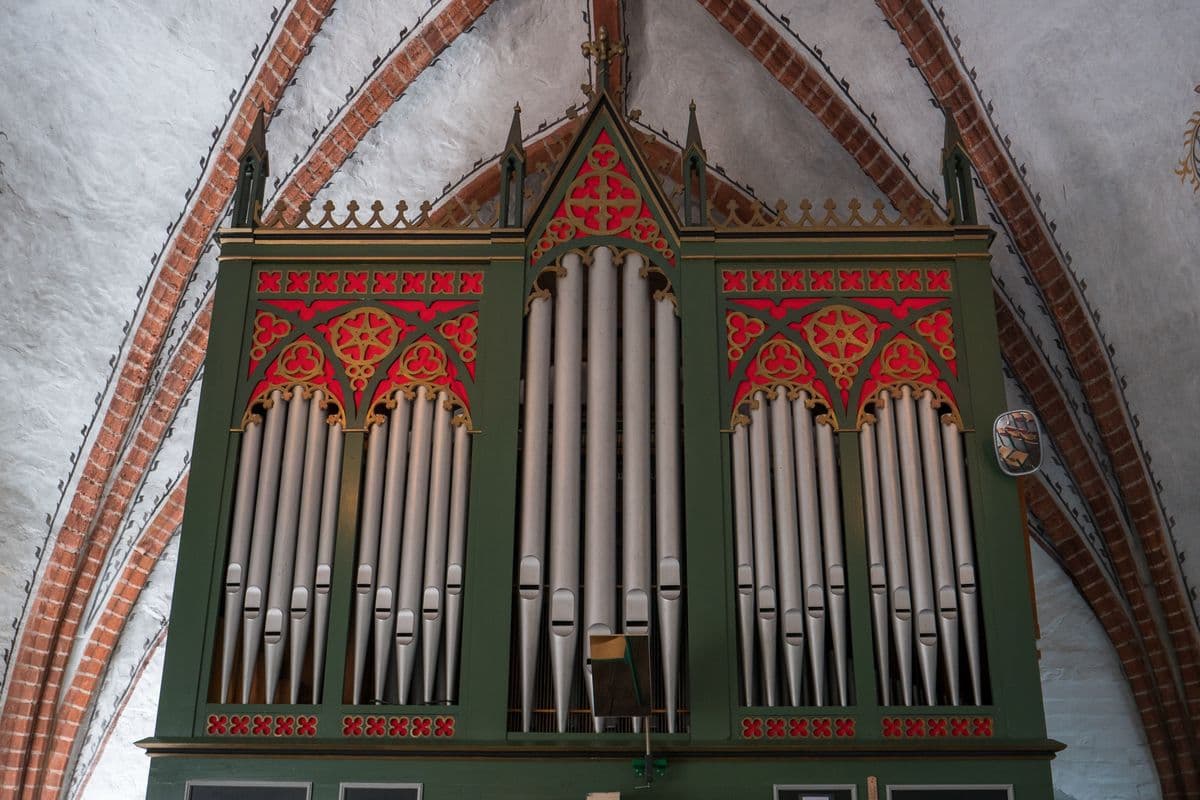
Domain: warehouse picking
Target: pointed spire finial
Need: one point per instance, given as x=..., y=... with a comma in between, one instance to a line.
x=253, y=168
x=514, y=131
x=693, y=131
x=603, y=51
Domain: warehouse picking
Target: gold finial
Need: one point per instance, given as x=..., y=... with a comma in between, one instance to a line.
x=603, y=52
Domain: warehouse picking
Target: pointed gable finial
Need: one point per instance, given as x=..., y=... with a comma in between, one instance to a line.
x=512, y=175
x=253, y=168
x=695, y=179
x=956, y=175
x=693, y=132
x=603, y=52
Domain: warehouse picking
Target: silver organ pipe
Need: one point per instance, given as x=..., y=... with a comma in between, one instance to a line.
x=304, y=572
x=260, y=539
x=532, y=556
x=667, y=497
x=766, y=606
x=964, y=551
x=600, y=535
x=812, y=562
x=564, y=493
x=917, y=539
x=412, y=548
x=283, y=550
x=456, y=551
x=897, y=553
x=835, y=567
x=434, y=592
x=787, y=544
x=368, y=548
x=744, y=559
x=635, y=451
x=387, y=572
x=323, y=579
x=239, y=547
x=876, y=558
x=945, y=593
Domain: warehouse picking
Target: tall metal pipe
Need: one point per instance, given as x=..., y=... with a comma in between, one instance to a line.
x=368, y=548
x=600, y=524
x=667, y=498
x=964, y=552
x=564, y=488
x=437, y=533
x=325, y=541
x=917, y=538
x=766, y=605
x=387, y=576
x=456, y=553
x=897, y=547
x=412, y=547
x=743, y=556
x=811, y=560
x=260, y=539
x=239, y=547
x=787, y=544
x=531, y=565
x=876, y=558
x=283, y=553
x=835, y=567
x=945, y=594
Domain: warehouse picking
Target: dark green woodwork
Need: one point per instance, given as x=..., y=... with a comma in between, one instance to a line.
x=720, y=756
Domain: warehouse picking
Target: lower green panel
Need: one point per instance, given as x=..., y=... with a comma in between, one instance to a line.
x=694, y=777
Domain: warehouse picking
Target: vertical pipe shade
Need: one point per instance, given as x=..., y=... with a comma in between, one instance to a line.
x=456, y=553
x=437, y=532
x=964, y=553
x=812, y=562
x=600, y=535
x=368, y=548
x=764, y=547
x=531, y=563
x=323, y=579
x=835, y=568
x=412, y=547
x=667, y=499
x=897, y=549
x=876, y=569
x=564, y=490
x=744, y=560
x=635, y=447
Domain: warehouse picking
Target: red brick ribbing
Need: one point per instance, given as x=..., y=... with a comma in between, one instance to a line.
x=73, y=561
x=809, y=85
x=1080, y=563
x=390, y=81
x=105, y=635
x=934, y=57
x=1162, y=701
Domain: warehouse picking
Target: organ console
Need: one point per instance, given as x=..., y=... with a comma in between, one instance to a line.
x=436, y=458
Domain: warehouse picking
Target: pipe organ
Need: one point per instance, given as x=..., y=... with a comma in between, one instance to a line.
x=436, y=455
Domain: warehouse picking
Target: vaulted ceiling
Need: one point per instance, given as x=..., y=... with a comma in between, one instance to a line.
x=119, y=130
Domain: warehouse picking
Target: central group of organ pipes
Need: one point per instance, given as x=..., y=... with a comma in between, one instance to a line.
x=571, y=415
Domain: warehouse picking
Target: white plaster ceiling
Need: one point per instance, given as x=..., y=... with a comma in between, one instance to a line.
x=106, y=113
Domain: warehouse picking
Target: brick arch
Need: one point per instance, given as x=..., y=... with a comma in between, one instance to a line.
x=60, y=596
